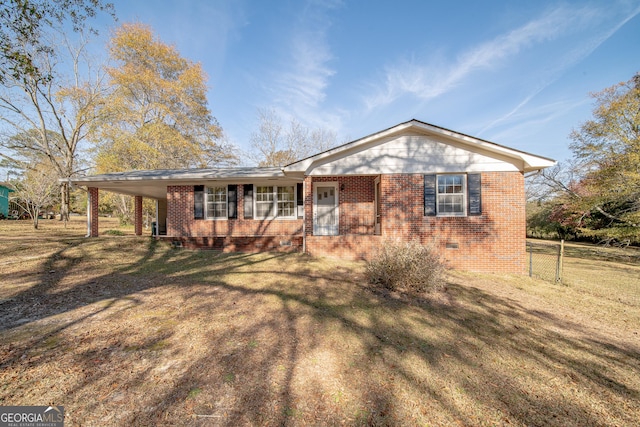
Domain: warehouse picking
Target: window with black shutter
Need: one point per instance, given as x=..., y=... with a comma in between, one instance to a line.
x=232, y=201
x=198, y=201
x=300, y=199
x=474, y=185
x=453, y=194
x=430, y=195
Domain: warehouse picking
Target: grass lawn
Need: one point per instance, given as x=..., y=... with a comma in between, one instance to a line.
x=123, y=330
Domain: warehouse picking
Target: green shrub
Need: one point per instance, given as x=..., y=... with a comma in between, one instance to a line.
x=114, y=233
x=410, y=266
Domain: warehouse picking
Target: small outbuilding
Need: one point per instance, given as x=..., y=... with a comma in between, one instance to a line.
x=5, y=190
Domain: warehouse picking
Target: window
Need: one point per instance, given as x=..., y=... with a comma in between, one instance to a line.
x=453, y=195
x=450, y=195
x=264, y=202
x=216, y=202
x=286, y=201
x=277, y=202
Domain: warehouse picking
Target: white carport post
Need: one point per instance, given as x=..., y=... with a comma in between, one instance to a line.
x=156, y=229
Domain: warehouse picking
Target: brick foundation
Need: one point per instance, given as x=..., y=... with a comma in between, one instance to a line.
x=240, y=244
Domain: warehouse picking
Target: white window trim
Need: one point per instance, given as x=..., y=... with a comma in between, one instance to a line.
x=274, y=190
x=206, y=204
x=464, y=196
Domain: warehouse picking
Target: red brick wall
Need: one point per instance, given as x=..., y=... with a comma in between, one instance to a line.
x=93, y=195
x=242, y=234
x=491, y=242
x=356, y=203
x=308, y=205
x=138, y=215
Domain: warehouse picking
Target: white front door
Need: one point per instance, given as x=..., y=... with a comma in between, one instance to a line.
x=325, y=209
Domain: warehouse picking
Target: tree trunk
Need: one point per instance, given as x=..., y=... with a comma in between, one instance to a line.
x=64, y=202
x=36, y=214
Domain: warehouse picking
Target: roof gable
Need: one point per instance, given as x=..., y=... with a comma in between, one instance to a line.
x=415, y=147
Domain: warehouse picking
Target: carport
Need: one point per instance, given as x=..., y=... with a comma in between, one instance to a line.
x=140, y=184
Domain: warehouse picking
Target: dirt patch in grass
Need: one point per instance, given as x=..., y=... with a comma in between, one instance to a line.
x=128, y=331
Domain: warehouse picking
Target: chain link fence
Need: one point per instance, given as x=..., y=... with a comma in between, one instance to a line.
x=545, y=260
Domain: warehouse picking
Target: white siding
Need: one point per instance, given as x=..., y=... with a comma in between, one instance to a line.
x=414, y=154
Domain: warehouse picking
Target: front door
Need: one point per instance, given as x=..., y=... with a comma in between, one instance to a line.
x=325, y=212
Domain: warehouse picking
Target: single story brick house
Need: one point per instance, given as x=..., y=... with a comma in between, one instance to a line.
x=414, y=181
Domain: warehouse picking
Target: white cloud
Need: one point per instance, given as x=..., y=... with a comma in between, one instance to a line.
x=299, y=87
x=307, y=76
x=536, y=118
x=569, y=59
x=436, y=77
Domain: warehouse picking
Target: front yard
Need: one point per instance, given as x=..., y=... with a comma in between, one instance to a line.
x=127, y=331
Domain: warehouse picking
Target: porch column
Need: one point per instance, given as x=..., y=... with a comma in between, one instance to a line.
x=138, y=215
x=92, y=212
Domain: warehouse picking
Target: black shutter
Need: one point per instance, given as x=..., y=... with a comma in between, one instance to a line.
x=232, y=201
x=430, y=195
x=474, y=184
x=300, y=199
x=198, y=201
x=248, y=201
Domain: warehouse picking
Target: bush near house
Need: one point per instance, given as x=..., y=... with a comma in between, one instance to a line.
x=407, y=266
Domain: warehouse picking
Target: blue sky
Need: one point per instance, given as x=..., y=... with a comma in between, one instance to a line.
x=518, y=73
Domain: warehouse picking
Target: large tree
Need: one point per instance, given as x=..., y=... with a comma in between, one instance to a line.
x=599, y=191
x=48, y=87
x=276, y=144
x=608, y=148
x=156, y=114
x=24, y=29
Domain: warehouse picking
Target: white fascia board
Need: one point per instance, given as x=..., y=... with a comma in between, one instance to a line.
x=535, y=163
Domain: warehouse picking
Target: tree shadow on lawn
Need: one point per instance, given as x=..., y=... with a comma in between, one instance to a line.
x=282, y=339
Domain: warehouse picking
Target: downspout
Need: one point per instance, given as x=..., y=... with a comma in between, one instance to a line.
x=304, y=218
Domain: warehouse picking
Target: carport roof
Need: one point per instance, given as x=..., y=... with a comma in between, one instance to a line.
x=153, y=183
